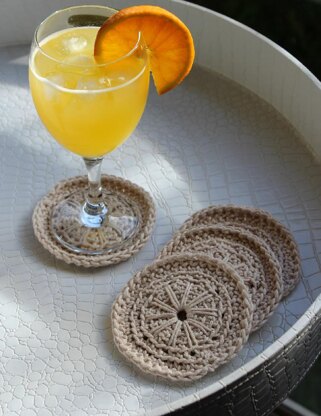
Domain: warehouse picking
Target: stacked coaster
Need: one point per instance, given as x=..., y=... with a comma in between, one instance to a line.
x=219, y=279
x=263, y=226
x=182, y=316
x=249, y=257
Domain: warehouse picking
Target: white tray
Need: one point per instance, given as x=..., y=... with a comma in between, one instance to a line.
x=238, y=131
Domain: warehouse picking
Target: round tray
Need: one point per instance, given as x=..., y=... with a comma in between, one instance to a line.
x=236, y=131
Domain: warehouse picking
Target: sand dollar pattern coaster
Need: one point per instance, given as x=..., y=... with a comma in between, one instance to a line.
x=140, y=199
x=261, y=224
x=246, y=254
x=182, y=317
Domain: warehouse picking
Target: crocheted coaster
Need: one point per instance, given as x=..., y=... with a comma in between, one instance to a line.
x=182, y=316
x=249, y=257
x=261, y=224
x=139, y=198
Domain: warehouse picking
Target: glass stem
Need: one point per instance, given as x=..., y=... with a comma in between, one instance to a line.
x=94, y=209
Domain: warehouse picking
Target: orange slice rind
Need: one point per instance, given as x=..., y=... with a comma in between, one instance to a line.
x=169, y=42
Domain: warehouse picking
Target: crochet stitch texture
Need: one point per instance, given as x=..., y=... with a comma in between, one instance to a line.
x=144, y=205
x=182, y=316
x=246, y=254
x=261, y=224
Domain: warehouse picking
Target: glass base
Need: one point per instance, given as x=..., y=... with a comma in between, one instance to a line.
x=79, y=231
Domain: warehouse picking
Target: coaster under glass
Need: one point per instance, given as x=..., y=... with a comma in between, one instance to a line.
x=125, y=228
x=78, y=230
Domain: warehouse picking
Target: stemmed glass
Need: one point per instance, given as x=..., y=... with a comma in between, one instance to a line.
x=90, y=108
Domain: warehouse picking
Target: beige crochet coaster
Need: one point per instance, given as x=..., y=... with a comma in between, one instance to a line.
x=182, y=316
x=247, y=254
x=139, y=198
x=261, y=224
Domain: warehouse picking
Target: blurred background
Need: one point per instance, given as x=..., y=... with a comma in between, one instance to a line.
x=293, y=24
x=296, y=26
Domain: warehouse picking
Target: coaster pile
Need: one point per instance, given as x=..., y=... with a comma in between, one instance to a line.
x=245, y=254
x=262, y=225
x=219, y=279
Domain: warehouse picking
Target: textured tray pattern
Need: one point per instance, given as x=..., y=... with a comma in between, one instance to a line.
x=182, y=317
x=246, y=254
x=139, y=198
x=267, y=386
x=207, y=142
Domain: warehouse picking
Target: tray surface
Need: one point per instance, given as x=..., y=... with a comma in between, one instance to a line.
x=210, y=141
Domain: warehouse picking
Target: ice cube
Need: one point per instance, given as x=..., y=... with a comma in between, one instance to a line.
x=50, y=90
x=108, y=81
x=116, y=77
x=74, y=44
x=88, y=83
x=55, y=80
x=105, y=82
x=79, y=60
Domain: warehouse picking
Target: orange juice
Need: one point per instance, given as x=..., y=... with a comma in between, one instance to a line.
x=89, y=108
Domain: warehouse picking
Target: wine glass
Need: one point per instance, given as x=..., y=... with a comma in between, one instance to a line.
x=90, y=108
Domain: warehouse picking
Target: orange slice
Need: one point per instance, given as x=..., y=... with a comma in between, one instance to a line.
x=169, y=42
